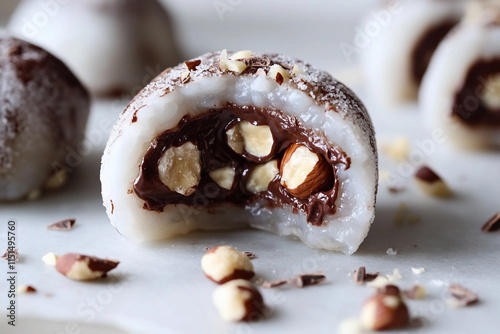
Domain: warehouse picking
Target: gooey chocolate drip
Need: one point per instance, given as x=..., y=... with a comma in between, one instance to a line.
x=426, y=47
x=468, y=106
x=208, y=133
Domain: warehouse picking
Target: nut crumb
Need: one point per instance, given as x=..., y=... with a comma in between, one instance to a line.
x=23, y=289
x=80, y=267
x=226, y=64
x=418, y=271
x=396, y=190
x=242, y=55
x=279, y=74
x=297, y=70
x=250, y=255
x=192, y=65
x=299, y=281
x=274, y=284
x=398, y=149
x=493, y=224
x=11, y=255
x=431, y=183
x=392, y=251
x=304, y=280
x=50, y=259
x=63, y=225
x=396, y=276
x=417, y=292
x=378, y=282
x=185, y=77
x=462, y=295
x=361, y=276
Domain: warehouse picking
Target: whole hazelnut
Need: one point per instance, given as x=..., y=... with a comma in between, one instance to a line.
x=385, y=310
x=239, y=300
x=224, y=263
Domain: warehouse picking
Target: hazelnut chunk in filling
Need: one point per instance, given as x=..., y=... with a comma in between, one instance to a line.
x=224, y=177
x=490, y=95
x=256, y=140
x=180, y=168
x=261, y=176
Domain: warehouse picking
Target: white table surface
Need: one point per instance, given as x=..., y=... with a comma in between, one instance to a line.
x=160, y=288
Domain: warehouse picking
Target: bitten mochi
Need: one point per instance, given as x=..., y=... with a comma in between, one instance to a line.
x=43, y=112
x=229, y=140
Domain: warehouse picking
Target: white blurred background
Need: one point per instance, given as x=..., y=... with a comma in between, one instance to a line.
x=310, y=30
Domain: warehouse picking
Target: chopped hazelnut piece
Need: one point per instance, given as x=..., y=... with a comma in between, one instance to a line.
x=493, y=224
x=463, y=296
x=417, y=292
x=304, y=280
x=11, y=255
x=250, y=255
x=83, y=267
x=245, y=54
x=23, y=289
x=297, y=70
x=396, y=276
x=185, y=77
x=361, y=276
x=398, y=148
x=192, y=65
x=431, y=183
x=50, y=259
x=279, y=74
x=63, y=225
x=418, y=271
x=378, y=282
x=490, y=94
x=274, y=284
x=226, y=64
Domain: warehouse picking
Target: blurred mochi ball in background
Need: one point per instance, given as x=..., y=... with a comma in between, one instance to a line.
x=114, y=46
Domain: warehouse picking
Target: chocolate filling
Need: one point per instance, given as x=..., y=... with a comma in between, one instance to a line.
x=468, y=106
x=426, y=46
x=208, y=133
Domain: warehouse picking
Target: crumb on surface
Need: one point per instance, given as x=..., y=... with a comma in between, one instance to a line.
x=392, y=251
x=395, y=276
x=418, y=271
